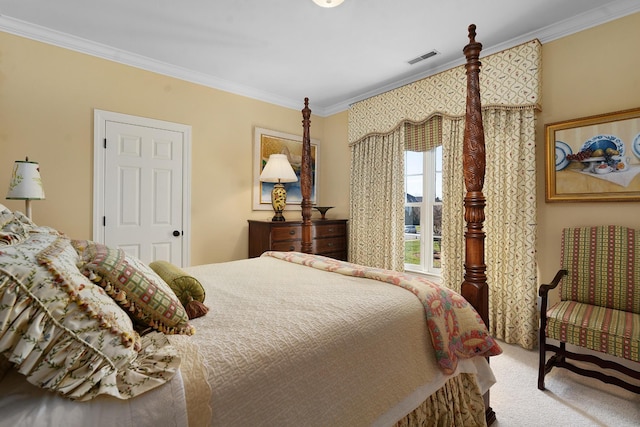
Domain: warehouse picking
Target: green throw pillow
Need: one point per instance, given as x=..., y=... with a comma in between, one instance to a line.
x=186, y=287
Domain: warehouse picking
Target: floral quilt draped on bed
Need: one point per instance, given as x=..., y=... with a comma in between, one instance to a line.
x=457, y=331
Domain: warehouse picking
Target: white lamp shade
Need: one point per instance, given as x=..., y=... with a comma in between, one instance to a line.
x=25, y=183
x=278, y=169
x=328, y=3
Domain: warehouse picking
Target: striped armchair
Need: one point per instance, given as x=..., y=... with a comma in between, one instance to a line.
x=599, y=307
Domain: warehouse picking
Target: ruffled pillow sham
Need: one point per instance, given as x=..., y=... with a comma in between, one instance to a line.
x=135, y=286
x=65, y=333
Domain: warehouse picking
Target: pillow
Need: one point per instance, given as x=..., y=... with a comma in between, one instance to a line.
x=187, y=288
x=135, y=286
x=65, y=334
x=15, y=227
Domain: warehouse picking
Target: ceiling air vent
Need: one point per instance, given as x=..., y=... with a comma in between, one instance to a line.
x=423, y=57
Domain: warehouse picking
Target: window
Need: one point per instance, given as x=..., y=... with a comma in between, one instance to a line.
x=423, y=211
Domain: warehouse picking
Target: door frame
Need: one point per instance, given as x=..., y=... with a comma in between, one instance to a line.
x=100, y=119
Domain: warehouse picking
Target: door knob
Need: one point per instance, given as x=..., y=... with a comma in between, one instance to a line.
x=176, y=233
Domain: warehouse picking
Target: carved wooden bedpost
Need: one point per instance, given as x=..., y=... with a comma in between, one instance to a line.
x=474, y=286
x=305, y=179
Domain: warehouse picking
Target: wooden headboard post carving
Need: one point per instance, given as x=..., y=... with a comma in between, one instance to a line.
x=474, y=286
x=305, y=179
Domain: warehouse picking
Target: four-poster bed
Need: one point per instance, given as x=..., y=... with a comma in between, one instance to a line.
x=289, y=338
x=474, y=288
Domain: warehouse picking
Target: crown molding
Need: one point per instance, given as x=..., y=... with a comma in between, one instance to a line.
x=78, y=44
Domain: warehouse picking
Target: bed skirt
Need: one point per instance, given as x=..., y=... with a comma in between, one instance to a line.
x=457, y=403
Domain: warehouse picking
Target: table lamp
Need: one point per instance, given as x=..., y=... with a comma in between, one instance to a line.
x=278, y=170
x=26, y=183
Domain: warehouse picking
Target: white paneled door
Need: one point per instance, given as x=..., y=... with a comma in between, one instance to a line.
x=143, y=182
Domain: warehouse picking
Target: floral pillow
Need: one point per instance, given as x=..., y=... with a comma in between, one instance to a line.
x=15, y=227
x=65, y=334
x=135, y=286
x=11, y=229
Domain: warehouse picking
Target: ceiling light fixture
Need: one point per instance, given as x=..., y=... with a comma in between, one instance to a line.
x=328, y=3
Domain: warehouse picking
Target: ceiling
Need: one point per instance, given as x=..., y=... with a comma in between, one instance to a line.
x=281, y=51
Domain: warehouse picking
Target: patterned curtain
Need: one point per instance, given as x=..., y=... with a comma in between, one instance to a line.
x=376, y=226
x=510, y=225
x=453, y=224
x=510, y=190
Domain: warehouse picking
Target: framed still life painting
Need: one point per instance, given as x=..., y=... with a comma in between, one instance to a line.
x=267, y=142
x=594, y=158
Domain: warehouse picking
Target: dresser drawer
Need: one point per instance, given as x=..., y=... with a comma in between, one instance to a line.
x=332, y=244
x=284, y=246
x=329, y=230
x=286, y=233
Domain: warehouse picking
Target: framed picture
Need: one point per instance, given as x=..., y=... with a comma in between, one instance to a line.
x=594, y=158
x=267, y=142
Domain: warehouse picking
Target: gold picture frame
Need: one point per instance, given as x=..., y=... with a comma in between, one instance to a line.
x=593, y=159
x=267, y=142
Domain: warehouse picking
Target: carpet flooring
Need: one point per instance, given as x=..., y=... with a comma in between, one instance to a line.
x=569, y=400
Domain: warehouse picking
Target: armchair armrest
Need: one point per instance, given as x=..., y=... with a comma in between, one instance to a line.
x=544, y=289
x=543, y=292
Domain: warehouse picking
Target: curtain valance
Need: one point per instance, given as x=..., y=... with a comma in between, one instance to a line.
x=423, y=136
x=509, y=79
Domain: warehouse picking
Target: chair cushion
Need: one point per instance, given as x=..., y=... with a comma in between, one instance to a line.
x=597, y=328
x=603, y=265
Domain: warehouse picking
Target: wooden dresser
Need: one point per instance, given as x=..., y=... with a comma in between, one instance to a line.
x=329, y=237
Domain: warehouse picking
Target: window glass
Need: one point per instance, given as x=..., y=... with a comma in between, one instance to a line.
x=413, y=163
x=414, y=188
x=412, y=246
x=423, y=211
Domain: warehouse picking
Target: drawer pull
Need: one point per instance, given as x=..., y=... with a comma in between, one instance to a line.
x=330, y=244
x=291, y=248
x=292, y=232
x=331, y=230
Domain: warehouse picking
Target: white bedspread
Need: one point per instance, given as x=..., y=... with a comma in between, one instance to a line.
x=290, y=345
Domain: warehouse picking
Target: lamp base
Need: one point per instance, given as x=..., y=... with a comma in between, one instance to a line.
x=278, y=201
x=278, y=217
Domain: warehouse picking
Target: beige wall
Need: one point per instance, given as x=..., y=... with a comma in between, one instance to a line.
x=591, y=72
x=47, y=98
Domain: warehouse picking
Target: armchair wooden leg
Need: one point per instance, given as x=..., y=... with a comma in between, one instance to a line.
x=542, y=343
x=541, y=365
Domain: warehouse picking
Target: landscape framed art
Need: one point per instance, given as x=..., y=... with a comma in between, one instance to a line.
x=267, y=142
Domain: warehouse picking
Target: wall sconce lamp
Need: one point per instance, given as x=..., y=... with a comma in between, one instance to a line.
x=26, y=183
x=278, y=170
